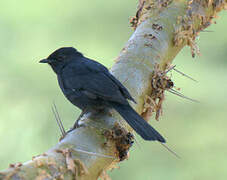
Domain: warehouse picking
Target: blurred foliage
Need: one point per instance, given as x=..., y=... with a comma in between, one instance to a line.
x=31, y=30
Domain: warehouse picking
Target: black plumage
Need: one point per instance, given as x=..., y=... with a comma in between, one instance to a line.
x=90, y=86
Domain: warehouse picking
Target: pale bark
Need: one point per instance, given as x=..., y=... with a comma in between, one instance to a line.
x=162, y=29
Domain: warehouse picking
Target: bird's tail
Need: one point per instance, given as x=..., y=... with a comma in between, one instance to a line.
x=145, y=130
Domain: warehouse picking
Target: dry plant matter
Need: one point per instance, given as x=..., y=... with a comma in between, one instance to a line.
x=162, y=29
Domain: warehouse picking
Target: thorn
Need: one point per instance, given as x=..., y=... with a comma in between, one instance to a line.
x=169, y=69
x=58, y=119
x=184, y=74
x=137, y=143
x=171, y=151
x=93, y=153
x=181, y=95
x=206, y=31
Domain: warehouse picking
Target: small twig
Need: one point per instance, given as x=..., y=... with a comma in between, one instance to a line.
x=181, y=95
x=58, y=119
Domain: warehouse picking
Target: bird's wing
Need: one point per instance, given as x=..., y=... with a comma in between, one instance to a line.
x=123, y=90
x=97, y=67
x=97, y=83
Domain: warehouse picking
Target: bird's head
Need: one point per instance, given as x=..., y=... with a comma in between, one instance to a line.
x=59, y=58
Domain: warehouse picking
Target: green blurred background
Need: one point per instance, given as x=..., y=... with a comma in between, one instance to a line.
x=31, y=30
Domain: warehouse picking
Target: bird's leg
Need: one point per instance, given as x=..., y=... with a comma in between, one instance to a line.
x=76, y=124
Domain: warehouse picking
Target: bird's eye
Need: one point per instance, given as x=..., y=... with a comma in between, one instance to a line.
x=61, y=58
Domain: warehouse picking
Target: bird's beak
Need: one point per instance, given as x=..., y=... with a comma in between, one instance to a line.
x=45, y=61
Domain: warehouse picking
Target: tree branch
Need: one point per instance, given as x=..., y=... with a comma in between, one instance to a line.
x=162, y=29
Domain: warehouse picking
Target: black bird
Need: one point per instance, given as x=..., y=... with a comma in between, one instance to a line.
x=89, y=85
